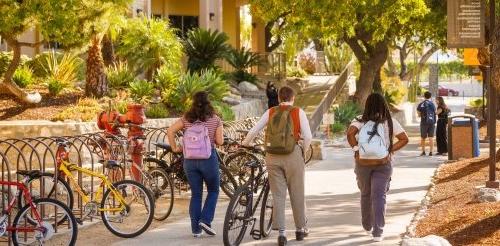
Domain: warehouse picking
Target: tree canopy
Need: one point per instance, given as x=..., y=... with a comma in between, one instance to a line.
x=65, y=22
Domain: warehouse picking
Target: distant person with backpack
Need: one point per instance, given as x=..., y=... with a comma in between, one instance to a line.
x=202, y=131
x=443, y=112
x=285, y=126
x=371, y=138
x=272, y=95
x=427, y=112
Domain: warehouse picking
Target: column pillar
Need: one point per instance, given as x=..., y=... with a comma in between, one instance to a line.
x=211, y=14
x=258, y=35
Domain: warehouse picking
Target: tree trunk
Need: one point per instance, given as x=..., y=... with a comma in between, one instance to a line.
x=402, y=61
x=8, y=85
x=391, y=65
x=423, y=59
x=377, y=82
x=108, y=51
x=96, y=81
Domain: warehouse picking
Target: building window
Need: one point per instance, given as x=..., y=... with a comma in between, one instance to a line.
x=183, y=23
x=52, y=45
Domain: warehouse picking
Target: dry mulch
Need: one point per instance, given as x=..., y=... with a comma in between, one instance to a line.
x=13, y=109
x=452, y=213
x=483, y=131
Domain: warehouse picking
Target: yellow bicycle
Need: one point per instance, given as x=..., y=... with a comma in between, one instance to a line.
x=126, y=207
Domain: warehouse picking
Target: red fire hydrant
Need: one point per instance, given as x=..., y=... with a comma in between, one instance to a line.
x=111, y=121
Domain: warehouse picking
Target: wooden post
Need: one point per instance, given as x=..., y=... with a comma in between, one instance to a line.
x=492, y=107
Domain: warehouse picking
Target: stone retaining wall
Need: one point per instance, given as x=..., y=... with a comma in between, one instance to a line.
x=37, y=128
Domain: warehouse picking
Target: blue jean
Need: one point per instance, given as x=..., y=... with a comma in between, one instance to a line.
x=197, y=172
x=373, y=183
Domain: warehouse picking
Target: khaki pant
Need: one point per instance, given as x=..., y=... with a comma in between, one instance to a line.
x=287, y=172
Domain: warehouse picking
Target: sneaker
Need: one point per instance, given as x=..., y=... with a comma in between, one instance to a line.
x=368, y=232
x=301, y=234
x=430, y=153
x=207, y=229
x=423, y=153
x=378, y=239
x=282, y=241
x=197, y=235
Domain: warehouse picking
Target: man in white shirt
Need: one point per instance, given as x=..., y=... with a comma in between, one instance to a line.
x=287, y=171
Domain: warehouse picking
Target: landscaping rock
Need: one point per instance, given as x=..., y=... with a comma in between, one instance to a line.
x=247, y=86
x=231, y=100
x=431, y=240
x=234, y=91
x=318, y=150
x=483, y=194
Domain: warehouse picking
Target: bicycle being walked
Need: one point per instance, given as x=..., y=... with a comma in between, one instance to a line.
x=285, y=162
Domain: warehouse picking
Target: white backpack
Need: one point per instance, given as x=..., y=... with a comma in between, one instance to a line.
x=371, y=141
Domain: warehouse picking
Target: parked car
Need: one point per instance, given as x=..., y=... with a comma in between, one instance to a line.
x=444, y=91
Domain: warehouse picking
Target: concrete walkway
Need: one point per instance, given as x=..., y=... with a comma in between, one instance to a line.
x=333, y=205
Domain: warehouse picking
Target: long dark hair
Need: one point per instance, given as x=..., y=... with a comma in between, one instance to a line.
x=441, y=103
x=377, y=110
x=201, y=109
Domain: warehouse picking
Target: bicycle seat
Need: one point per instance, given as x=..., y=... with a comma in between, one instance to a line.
x=164, y=146
x=110, y=164
x=243, y=131
x=62, y=141
x=30, y=173
x=252, y=164
x=140, y=137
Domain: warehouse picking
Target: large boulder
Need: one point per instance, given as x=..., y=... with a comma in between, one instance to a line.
x=431, y=240
x=483, y=194
x=231, y=100
x=245, y=86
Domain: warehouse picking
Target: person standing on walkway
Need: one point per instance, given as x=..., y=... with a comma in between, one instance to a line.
x=427, y=112
x=272, y=95
x=441, y=134
x=201, y=164
x=371, y=138
x=285, y=126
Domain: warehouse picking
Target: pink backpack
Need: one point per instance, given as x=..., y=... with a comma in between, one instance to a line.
x=196, y=142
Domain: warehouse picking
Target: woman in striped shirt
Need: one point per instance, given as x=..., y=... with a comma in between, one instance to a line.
x=199, y=171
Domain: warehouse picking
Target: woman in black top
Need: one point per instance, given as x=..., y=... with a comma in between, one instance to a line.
x=272, y=95
x=441, y=134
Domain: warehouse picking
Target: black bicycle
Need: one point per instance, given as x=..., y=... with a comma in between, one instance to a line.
x=243, y=206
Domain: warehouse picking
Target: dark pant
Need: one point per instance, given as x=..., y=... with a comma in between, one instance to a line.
x=441, y=136
x=373, y=182
x=197, y=172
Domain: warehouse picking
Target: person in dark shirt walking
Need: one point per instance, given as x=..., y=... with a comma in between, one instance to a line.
x=272, y=95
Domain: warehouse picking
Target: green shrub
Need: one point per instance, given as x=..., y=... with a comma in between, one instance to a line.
x=156, y=111
x=477, y=103
x=307, y=62
x=23, y=76
x=119, y=75
x=55, y=86
x=338, y=127
x=63, y=69
x=296, y=72
x=6, y=58
x=167, y=79
x=394, y=90
x=85, y=110
x=210, y=81
x=346, y=112
x=148, y=44
x=224, y=110
x=204, y=47
x=141, y=90
x=337, y=56
x=241, y=60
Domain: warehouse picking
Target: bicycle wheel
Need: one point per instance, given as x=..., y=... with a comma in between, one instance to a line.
x=64, y=192
x=236, y=165
x=138, y=213
x=238, y=216
x=46, y=232
x=266, y=212
x=227, y=182
x=163, y=192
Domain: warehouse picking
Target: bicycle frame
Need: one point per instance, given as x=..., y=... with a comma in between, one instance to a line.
x=66, y=168
x=27, y=196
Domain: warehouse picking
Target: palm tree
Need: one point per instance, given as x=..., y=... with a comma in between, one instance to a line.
x=204, y=48
x=241, y=60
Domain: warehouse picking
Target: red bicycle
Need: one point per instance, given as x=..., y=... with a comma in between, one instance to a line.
x=39, y=221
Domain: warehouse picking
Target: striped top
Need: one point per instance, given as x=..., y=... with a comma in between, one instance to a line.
x=212, y=124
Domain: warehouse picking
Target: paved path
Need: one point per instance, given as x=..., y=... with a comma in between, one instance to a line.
x=333, y=204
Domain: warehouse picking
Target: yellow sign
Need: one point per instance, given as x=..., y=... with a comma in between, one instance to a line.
x=479, y=77
x=470, y=57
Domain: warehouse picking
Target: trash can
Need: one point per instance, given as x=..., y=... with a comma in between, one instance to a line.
x=463, y=137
